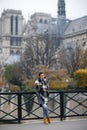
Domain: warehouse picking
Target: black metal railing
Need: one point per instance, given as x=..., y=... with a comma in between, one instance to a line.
x=20, y=106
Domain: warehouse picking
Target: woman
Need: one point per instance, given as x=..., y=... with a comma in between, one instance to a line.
x=41, y=87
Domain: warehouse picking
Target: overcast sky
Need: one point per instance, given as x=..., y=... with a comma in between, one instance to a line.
x=74, y=8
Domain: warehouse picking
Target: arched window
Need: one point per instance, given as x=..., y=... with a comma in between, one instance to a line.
x=17, y=52
x=11, y=42
x=11, y=52
x=11, y=24
x=84, y=44
x=16, y=25
x=45, y=21
x=41, y=20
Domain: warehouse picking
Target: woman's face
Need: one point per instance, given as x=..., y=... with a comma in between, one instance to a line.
x=42, y=76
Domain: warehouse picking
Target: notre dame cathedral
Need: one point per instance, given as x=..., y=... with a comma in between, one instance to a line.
x=14, y=31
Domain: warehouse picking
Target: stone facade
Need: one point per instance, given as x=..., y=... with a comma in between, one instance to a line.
x=41, y=23
x=11, y=33
x=76, y=32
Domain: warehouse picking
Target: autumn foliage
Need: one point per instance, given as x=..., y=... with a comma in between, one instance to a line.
x=56, y=79
x=81, y=77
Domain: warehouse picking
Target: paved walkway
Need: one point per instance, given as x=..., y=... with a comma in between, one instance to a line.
x=64, y=125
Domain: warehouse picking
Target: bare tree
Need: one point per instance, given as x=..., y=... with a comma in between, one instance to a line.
x=84, y=63
x=43, y=49
x=39, y=50
x=72, y=58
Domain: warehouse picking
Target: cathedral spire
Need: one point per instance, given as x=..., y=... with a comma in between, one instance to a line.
x=61, y=9
x=61, y=21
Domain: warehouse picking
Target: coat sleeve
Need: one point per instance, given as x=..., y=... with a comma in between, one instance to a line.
x=37, y=90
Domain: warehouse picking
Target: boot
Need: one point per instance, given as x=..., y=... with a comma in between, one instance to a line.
x=49, y=120
x=45, y=120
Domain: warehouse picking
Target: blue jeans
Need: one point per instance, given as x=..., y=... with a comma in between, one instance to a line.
x=45, y=110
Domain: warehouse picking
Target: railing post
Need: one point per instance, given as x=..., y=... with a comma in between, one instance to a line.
x=19, y=108
x=61, y=105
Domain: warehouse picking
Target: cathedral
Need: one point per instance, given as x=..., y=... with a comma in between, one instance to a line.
x=14, y=32
x=11, y=36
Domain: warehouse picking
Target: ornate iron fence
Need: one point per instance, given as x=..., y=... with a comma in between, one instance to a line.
x=20, y=106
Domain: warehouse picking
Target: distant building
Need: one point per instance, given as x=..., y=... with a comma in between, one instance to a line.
x=11, y=29
x=13, y=33
x=45, y=24
x=76, y=32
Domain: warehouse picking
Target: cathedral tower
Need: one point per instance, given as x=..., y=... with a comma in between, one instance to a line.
x=61, y=9
x=61, y=17
x=11, y=33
